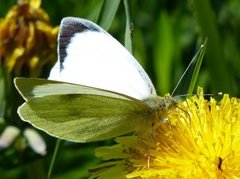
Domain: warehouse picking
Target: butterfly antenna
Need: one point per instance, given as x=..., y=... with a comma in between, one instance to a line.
x=207, y=94
x=184, y=73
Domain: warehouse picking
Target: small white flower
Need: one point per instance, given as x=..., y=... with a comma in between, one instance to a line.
x=35, y=141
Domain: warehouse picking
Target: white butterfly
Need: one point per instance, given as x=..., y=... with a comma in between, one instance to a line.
x=103, y=92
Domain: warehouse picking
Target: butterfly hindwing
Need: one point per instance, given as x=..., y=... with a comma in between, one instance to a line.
x=83, y=117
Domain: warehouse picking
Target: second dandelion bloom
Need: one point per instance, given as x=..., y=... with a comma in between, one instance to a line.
x=200, y=139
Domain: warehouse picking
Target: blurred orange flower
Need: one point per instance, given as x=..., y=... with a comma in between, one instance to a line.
x=27, y=39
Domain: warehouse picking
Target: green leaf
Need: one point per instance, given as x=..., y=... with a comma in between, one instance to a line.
x=84, y=117
x=163, y=52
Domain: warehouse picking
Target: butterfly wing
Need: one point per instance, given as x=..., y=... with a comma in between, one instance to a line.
x=71, y=113
x=31, y=88
x=90, y=56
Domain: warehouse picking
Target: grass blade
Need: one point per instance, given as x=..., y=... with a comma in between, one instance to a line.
x=197, y=68
x=128, y=30
x=108, y=13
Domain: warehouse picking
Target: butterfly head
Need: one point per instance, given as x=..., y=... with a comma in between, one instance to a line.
x=161, y=105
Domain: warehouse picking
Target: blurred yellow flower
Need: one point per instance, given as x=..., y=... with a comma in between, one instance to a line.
x=27, y=39
x=201, y=139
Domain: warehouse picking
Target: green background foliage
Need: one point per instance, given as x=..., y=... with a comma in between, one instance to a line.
x=165, y=37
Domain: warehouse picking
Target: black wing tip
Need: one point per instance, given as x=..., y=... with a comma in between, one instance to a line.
x=68, y=28
x=79, y=24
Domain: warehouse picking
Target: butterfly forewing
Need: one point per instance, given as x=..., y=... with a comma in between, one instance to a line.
x=90, y=56
x=35, y=87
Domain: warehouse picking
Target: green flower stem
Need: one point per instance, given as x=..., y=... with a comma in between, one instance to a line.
x=53, y=158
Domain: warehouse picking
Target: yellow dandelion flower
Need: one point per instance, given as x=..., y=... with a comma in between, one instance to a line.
x=27, y=39
x=201, y=139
